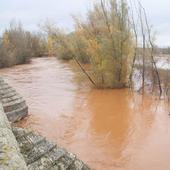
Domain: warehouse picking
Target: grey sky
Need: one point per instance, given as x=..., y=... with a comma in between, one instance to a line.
x=33, y=12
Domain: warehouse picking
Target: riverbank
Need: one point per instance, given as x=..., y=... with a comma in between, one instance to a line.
x=22, y=149
x=10, y=156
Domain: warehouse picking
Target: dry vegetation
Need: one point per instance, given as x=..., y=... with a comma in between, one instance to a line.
x=104, y=39
x=114, y=36
x=17, y=46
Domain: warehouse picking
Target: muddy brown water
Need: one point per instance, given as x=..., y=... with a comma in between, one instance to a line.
x=107, y=129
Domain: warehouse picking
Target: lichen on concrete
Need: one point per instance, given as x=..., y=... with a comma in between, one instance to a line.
x=40, y=154
x=10, y=156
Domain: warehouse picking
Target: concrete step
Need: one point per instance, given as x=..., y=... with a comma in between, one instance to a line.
x=65, y=161
x=42, y=154
x=48, y=160
x=14, y=105
x=4, y=92
x=17, y=114
x=11, y=99
x=78, y=165
x=28, y=140
x=9, y=95
x=38, y=151
x=1, y=80
x=4, y=86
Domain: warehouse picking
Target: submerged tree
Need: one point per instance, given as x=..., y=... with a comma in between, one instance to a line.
x=104, y=39
x=111, y=45
x=107, y=32
x=144, y=53
x=116, y=40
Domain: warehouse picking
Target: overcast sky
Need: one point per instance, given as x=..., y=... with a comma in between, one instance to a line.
x=33, y=12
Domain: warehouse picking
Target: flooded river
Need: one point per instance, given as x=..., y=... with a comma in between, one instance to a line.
x=107, y=129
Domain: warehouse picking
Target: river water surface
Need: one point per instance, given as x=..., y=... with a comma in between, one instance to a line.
x=107, y=129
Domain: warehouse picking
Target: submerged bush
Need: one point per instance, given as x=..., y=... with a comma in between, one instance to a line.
x=104, y=39
x=109, y=38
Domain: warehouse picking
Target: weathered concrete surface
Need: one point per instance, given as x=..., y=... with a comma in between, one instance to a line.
x=10, y=156
x=14, y=105
x=41, y=154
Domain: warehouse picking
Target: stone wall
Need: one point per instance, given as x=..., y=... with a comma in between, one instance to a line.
x=10, y=156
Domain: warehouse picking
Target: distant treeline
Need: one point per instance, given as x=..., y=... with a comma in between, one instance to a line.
x=163, y=50
x=17, y=46
x=111, y=38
